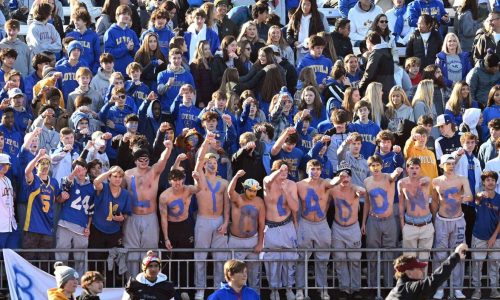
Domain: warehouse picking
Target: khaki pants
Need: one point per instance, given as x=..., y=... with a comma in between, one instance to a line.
x=418, y=237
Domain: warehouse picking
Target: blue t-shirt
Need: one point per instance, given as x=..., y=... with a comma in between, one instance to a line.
x=40, y=209
x=105, y=205
x=293, y=159
x=80, y=204
x=487, y=215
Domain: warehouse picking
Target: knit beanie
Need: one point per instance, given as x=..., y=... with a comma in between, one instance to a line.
x=75, y=45
x=64, y=274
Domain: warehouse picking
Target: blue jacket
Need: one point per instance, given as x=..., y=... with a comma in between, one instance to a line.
x=434, y=8
x=115, y=42
x=13, y=141
x=322, y=66
x=111, y=112
x=464, y=59
x=227, y=293
x=21, y=120
x=68, y=81
x=212, y=38
x=327, y=170
x=164, y=37
x=137, y=92
x=489, y=113
x=167, y=96
x=305, y=139
x=91, y=47
x=457, y=119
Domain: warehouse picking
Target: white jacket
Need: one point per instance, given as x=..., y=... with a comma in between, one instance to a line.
x=462, y=168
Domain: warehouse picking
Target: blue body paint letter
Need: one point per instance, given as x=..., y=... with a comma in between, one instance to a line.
x=343, y=203
x=281, y=209
x=214, y=191
x=312, y=204
x=173, y=204
x=376, y=193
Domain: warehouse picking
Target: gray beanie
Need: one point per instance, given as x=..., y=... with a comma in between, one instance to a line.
x=64, y=274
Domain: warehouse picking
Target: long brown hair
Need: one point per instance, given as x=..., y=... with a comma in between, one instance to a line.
x=316, y=20
x=272, y=84
x=144, y=54
x=317, y=104
x=491, y=95
x=109, y=8
x=329, y=50
x=199, y=56
x=348, y=103
x=456, y=101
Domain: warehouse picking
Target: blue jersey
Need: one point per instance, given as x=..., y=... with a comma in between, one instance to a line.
x=80, y=204
x=137, y=92
x=105, y=205
x=40, y=211
x=368, y=132
x=487, y=216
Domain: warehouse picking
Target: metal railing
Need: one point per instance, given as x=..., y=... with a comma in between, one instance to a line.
x=184, y=266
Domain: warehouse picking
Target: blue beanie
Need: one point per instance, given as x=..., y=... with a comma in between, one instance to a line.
x=75, y=45
x=284, y=91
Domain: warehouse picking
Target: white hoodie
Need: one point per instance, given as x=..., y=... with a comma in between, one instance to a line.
x=361, y=20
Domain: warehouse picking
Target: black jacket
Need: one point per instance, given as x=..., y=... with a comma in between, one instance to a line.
x=252, y=164
x=162, y=290
x=86, y=296
x=290, y=74
x=484, y=42
x=379, y=68
x=219, y=66
x=343, y=45
x=415, y=47
x=409, y=289
x=226, y=27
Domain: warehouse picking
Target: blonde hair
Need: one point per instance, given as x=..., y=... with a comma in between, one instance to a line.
x=424, y=93
x=243, y=32
x=374, y=96
x=448, y=36
x=404, y=100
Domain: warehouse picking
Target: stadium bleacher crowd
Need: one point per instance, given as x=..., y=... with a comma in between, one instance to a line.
x=145, y=124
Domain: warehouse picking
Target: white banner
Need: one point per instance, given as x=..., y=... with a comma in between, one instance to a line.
x=27, y=282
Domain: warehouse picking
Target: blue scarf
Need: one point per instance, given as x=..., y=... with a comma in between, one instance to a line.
x=400, y=21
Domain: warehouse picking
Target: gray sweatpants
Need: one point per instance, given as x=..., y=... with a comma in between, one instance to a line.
x=280, y=266
x=493, y=262
x=381, y=233
x=142, y=232
x=67, y=239
x=206, y=237
x=312, y=235
x=449, y=234
x=348, y=267
x=253, y=266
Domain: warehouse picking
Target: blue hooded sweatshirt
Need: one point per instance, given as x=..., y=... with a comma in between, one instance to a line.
x=227, y=293
x=327, y=170
x=149, y=125
x=129, y=101
x=322, y=66
x=464, y=59
x=168, y=94
x=68, y=81
x=489, y=113
x=29, y=82
x=111, y=112
x=22, y=120
x=13, y=141
x=139, y=93
x=305, y=142
x=368, y=132
x=164, y=37
x=115, y=42
x=91, y=47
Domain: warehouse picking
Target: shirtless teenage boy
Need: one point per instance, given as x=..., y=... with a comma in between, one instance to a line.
x=449, y=191
x=280, y=198
x=141, y=229
x=248, y=215
x=345, y=229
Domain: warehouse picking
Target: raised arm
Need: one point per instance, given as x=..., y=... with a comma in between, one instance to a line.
x=435, y=199
x=395, y=174
x=467, y=196
x=98, y=182
x=268, y=180
x=281, y=140
x=28, y=173
x=162, y=162
x=231, y=188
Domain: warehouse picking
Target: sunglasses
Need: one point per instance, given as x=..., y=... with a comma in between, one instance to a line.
x=383, y=21
x=123, y=97
x=143, y=159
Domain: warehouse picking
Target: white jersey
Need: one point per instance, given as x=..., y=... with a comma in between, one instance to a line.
x=7, y=220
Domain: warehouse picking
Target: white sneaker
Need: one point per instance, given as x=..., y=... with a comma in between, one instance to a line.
x=476, y=294
x=290, y=295
x=200, y=295
x=324, y=295
x=275, y=295
x=439, y=294
x=495, y=294
x=459, y=294
x=185, y=296
x=299, y=295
